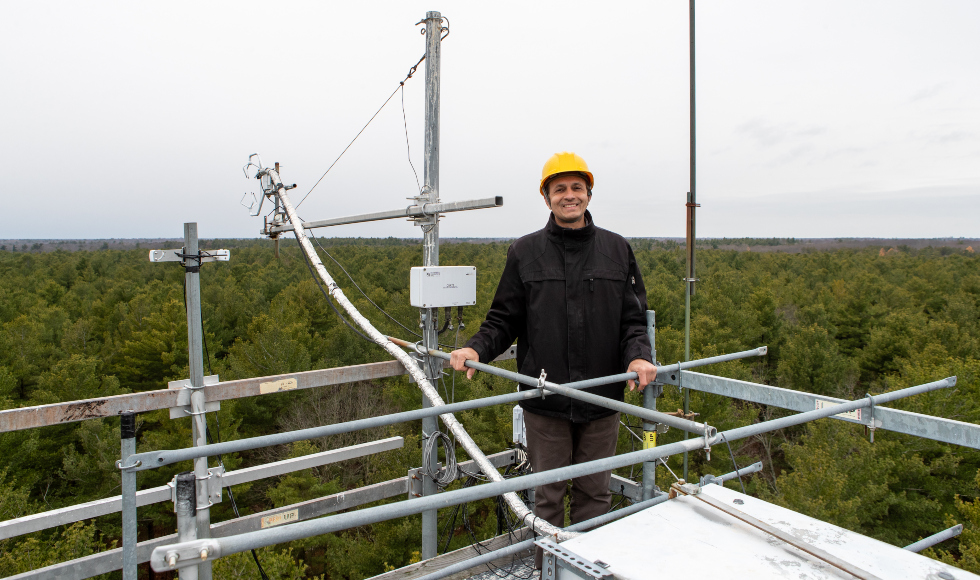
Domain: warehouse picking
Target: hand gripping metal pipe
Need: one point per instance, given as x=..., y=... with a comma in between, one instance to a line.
x=462, y=437
x=218, y=547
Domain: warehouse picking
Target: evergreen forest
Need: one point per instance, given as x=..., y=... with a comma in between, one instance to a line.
x=87, y=324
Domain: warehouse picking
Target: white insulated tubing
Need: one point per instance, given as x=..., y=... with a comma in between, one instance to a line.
x=449, y=420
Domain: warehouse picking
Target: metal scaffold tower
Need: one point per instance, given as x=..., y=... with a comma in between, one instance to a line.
x=198, y=541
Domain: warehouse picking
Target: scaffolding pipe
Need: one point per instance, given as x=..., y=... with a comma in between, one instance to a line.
x=195, y=361
x=127, y=437
x=186, y=508
x=261, y=538
x=160, y=458
x=720, y=479
x=567, y=388
x=430, y=257
x=650, y=395
x=153, y=459
x=431, y=394
x=935, y=539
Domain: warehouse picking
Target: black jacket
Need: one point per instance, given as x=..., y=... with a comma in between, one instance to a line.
x=575, y=302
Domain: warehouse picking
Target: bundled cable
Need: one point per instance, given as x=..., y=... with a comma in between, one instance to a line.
x=430, y=455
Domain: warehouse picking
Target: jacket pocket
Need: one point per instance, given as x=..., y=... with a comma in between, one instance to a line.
x=592, y=275
x=542, y=275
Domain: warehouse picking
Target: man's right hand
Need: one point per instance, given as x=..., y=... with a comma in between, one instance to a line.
x=458, y=358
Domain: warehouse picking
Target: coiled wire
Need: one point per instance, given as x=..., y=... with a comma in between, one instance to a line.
x=430, y=455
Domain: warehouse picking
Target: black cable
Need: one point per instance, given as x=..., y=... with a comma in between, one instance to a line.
x=351, y=278
x=217, y=430
x=408, y=148
x=737, y=474
x=327, y=296
x=231, y=494
x=364, y=294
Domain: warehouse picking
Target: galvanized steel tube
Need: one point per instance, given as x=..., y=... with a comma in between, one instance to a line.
x=186, y=508
x=672, y=421
x=195, y=338
x=127, y=435
x=650, y=395
x=226, y=546
x=935, y=539
x=153, y=459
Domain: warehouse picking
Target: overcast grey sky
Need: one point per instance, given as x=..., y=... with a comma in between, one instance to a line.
x=815, y=119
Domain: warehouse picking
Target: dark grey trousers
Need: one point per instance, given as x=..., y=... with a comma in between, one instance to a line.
x=554, y=443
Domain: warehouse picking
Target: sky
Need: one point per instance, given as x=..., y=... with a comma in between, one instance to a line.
x=814, y=119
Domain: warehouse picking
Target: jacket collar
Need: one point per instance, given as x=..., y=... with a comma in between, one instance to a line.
x=567, y=235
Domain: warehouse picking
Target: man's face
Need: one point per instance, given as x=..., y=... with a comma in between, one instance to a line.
x=568, y=197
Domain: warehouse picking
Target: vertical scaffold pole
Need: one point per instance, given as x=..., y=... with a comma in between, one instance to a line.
x=195, y=338
x=430, y=251
x=127, y=433
x=650, y=395
x=691, y=235
x=186, y=508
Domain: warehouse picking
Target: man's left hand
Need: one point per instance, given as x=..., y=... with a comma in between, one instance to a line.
x=645, y=370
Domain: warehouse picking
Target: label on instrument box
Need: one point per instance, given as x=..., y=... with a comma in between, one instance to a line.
x=649, y=439
x=280, y=519
x=276, y=386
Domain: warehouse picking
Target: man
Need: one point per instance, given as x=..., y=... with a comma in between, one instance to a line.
x=572, y=296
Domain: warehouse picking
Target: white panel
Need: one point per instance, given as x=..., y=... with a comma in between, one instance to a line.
x=438, y=286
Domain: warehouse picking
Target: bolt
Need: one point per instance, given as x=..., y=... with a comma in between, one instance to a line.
x=172, y=559
x=204, y=554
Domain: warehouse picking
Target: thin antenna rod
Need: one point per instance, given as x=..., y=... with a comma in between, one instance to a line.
x=691, y=235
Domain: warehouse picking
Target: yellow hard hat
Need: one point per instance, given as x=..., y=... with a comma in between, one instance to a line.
x=565, y=162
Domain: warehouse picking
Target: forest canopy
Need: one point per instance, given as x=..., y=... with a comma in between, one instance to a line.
x=86, y=324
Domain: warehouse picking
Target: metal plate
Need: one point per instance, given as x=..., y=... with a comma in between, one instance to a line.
x=685, y=536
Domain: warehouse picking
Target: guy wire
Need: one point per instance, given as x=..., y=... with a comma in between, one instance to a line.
x=411, y=72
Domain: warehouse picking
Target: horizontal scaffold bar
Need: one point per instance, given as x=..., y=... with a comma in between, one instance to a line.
x=189, y=552
x=71, y=411
x=571, y=389
x=154, y=459
x=411, y=212
x=926, y=426
x=110, y=560
x=101, y=507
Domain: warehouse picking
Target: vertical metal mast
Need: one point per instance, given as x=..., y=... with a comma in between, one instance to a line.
x=691, y=237
x=430, y=254
x=195, y=337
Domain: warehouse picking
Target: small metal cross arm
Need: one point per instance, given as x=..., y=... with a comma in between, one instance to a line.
x=188, y=260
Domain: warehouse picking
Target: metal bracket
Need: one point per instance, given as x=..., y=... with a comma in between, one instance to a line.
x=183, y=408
x=871, y=408
x=558, y=557
x=214, y=479
x=541, y=379
x=709, y=479
x=415, y=479
x=421, y=361
x=176, y=255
